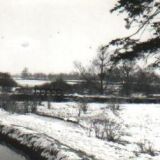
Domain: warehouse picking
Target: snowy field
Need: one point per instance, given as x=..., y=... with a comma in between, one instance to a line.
x=140, y=125
x=30, y=83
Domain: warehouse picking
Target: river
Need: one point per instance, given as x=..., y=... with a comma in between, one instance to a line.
x=9, y=153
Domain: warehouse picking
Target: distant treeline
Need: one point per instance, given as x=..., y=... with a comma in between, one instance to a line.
x=25, y=74
x=120, y=81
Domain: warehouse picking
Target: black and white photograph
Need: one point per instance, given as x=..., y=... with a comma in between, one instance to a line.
x=79, y=79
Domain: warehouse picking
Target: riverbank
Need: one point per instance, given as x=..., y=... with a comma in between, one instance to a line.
x=36, y=145
x=79, y=98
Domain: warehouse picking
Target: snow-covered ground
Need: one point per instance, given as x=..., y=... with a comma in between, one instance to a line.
x=141, y=125
x=30, y=83
x=69, y=110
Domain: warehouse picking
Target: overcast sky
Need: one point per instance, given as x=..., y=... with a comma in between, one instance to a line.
x=48, y=35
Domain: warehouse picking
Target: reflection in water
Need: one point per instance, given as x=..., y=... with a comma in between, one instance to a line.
x=6, y=153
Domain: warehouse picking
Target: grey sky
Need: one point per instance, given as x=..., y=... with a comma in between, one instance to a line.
x=48, y=35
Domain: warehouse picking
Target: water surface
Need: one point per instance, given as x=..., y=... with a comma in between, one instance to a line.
x=8, y=153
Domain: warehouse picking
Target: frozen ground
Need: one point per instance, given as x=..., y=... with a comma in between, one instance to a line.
x=141, y=125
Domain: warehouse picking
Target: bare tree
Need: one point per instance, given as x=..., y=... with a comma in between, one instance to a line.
x=25, y=73
x=127, y=69
x=87, y=73
x=102, y=63
x=88, y=76
x=96, y=72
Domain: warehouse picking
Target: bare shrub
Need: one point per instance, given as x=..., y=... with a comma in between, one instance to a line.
x=107, y=129
x=26, y=106
x=9, y=106
x=34, y=105
x=49, y=104
x=82, y=107
x=146, y=147
x=19, y=107
x=30, y=106
x=114, y=107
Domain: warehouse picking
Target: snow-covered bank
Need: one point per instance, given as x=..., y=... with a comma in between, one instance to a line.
x=142, y=122
x=68, y=134
x=40, y=145
x=68, y=111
